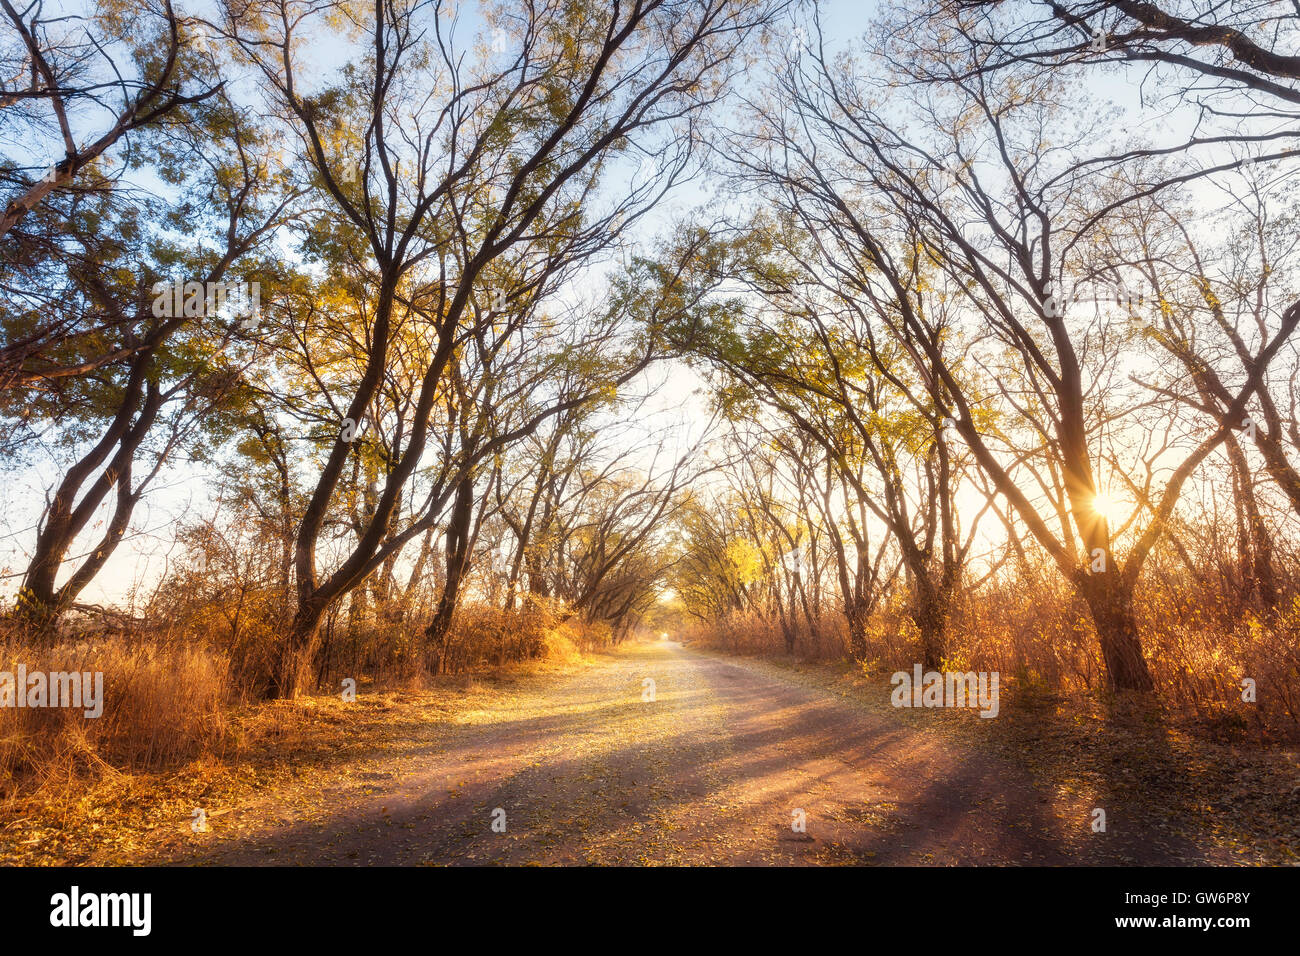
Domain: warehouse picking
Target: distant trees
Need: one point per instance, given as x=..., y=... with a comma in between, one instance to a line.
x=856, y=400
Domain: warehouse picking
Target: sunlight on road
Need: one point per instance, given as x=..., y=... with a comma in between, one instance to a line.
x=721, y=762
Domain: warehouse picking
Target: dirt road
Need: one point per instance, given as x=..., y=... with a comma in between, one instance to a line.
x=714, y=770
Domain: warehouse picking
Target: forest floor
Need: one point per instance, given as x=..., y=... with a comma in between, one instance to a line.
x=575, y=767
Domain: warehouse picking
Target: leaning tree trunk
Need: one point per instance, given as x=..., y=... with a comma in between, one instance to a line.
x=40, y=602
x=290, y=668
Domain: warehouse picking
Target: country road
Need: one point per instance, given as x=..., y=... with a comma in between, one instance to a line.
x=582, y=770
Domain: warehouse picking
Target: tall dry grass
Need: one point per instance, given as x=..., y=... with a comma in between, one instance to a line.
x=162, y=702
x=1040, y=639
x=171, y=686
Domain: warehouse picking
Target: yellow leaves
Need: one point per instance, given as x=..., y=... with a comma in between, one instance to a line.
x=352, y=19
x=745, y=559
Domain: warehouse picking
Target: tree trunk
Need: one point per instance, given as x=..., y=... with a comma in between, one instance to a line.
x=291, y=667
x=1111, y=605
x=857, y=632
x=41, y=602
x=438, y=633
x=1254, y=547
x=930, y=615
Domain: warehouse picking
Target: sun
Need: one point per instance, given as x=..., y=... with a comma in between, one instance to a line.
x=1106, y=506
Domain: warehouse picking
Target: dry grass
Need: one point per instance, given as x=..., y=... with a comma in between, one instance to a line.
x=1041, y=640
x=161, y=703
x=174, y=697
x=134, y=799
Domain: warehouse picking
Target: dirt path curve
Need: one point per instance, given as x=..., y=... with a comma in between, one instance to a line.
x=709, y=772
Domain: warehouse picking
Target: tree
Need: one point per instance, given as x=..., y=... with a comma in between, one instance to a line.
x=126, y=62
x=173, y=341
